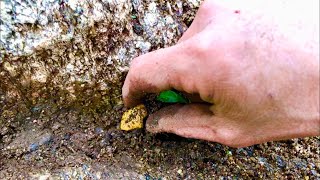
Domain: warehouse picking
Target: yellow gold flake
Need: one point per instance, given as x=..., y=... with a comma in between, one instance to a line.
x=133, y=118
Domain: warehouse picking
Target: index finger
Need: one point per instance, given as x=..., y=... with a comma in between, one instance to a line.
x=157, y=71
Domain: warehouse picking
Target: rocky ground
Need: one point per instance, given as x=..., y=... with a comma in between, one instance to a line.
x=62, y=66
x=71, y=145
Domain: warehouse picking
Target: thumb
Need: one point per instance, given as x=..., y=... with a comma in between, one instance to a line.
x=190, y=121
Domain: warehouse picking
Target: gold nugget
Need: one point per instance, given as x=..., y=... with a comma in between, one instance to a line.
x=133, y=118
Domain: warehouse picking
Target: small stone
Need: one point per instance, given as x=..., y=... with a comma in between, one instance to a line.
x=180, y=172
x=56, y=126
x=229, y=153
x=157, y=150
x=4, y=130
x=33, y=147
x=98, y=130
x=314, y=172
x=133, y=118
x=280, y=162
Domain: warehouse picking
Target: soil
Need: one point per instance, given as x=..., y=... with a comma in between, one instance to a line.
x=73, y=145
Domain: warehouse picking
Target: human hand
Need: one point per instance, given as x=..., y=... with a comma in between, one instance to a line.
x=253, y=63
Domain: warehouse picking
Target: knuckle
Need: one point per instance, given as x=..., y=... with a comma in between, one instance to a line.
x=201, y=47
x=235, y=140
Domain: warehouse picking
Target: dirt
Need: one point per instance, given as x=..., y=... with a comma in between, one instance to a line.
x=72, y=145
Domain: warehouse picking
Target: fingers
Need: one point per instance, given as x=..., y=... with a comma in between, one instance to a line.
x=176, y=67
x=198, y=122
x=191, y=121
x=157, y=71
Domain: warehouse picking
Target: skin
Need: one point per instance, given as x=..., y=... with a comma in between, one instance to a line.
x=255, y=64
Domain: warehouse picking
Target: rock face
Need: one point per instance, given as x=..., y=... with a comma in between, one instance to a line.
x=62, y=66
x=74, y=53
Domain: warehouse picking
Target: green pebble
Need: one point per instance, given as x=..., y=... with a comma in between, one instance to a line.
x=170, y=96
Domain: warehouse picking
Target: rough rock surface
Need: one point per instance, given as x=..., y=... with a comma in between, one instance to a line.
x=75, y=53
x=62, y=65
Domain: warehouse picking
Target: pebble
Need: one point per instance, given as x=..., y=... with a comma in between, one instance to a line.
x=98, y=130
x=314, y=172
x=180, y=172
x=33, y=147
x=300, y=164
x=280, y=162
